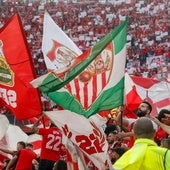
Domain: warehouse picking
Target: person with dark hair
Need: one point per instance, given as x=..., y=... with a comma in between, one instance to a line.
x=144, y=110
x=11, y=164
x=60, y=165
x=51, y=145
x=24, y=158
x=163, y=117
x=165, y=127
x=110, y=128
x=145, y=154
x=116, y=153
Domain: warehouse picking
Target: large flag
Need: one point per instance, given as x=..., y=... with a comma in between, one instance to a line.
x=84, y=133
x=154, y=91
x=16, y=72
x=91, y=82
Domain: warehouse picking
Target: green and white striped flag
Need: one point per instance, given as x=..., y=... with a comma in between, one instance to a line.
x=91, y=82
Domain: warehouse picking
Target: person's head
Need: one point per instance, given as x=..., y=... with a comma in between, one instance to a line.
x=164, y=116
x=60, y=165
x=20, y=145
x=143, y=128
x=116, y=153
x=165, y=143
x=110, y=128
x=112, y=136
x=144, y=109
x=30, y=146
x=52, y=124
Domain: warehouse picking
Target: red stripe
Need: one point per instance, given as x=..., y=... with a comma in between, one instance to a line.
x=37, y=144
x=94, y=84
x=103, y=79
x=77, y=87
x=68, y=86
x=144, y=82
x=163, y=103
x=85, y=90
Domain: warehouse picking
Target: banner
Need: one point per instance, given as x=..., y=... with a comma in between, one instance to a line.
x=16, y=72
x=84, y=133
x=91, y=82
x=157, y=93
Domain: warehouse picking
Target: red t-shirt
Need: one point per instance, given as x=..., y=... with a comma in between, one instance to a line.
x=160, y=134
x=51, y=143
x=25, y=158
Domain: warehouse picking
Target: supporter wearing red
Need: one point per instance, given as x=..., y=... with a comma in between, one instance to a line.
x=25, y=158
x=164, y=117
x=164, y=126
x=51, y=146
x=144, y=110
x=11, y=165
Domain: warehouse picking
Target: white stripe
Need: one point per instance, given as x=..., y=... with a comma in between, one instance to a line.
x=118, y=68
x=73, y=88
x=90, y=90
x=81, y=93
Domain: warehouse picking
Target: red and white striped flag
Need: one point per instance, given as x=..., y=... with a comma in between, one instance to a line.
x=156, y=92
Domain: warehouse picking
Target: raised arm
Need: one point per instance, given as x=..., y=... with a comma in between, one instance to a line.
x=5, y=150
x=165, y=127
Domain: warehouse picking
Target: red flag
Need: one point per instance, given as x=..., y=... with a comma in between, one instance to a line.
x=16, y=71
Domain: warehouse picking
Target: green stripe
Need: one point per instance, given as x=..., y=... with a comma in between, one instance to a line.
x=120, y=40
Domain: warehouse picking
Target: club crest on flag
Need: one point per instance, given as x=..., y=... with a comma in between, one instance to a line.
x=95, y=80
x=90, y=82
x=6, y=74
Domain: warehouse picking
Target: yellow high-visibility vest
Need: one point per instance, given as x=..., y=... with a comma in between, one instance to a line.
x=144, y=155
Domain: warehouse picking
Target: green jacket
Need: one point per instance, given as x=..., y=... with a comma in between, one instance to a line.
x=144, y=155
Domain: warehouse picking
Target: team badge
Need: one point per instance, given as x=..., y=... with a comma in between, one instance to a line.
x=6, y=74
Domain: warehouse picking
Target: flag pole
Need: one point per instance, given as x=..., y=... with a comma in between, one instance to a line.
x=121, y=118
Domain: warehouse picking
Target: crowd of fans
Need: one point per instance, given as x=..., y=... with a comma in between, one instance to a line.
x=148, y=37
x=140, y=134
x=148, y=42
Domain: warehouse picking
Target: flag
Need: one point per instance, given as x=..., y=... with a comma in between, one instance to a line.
x=13, y=135
x=91, y=82
x=53, y=36
x=36, y=141
x=84, y=133
x=157, y=93
x=132, y=98
x=16, y=72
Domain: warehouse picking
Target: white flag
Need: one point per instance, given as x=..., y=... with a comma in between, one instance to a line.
x=52, y=37
x=84, y=133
